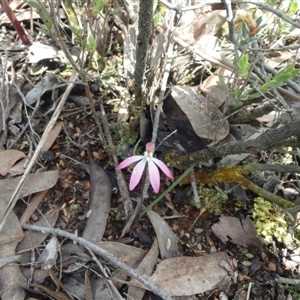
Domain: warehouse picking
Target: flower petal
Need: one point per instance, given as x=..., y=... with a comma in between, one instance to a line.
x=137, y=173
x=128, y=161
x=163, y=167
x=154, y=175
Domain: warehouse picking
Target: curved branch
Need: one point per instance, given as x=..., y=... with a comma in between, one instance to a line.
x=103, y=253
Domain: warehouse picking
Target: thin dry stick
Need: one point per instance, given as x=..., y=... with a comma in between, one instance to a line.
x=103, y=253
x=120, y=178
x=42, y=141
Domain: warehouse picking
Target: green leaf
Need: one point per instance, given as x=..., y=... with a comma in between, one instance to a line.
x=91, y=44
x=293, y=8
x=116, y=11
x=222, y=81
x=77, y=31
x=243, y=66
x=33, y=3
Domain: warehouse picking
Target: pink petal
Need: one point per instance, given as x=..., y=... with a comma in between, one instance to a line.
x=137, y=173
x=163, y=167
x=128, y=161
x=154, y=175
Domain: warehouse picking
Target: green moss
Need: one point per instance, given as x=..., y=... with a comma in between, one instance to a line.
x=124, y=137
x=270, y=222
x=74, y=209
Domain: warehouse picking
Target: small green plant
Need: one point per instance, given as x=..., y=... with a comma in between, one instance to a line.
x=99, y=5
x=44, y=16
x=91, y=44
x=280, y=78
x=270, y=222
x=212, y=200
x=243, y=66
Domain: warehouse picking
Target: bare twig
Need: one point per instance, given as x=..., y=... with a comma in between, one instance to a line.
x=103, y=253
x=229, y=13
x=121, y=181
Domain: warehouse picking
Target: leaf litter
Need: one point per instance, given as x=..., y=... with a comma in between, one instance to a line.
x=238, y=231
x=200, y=107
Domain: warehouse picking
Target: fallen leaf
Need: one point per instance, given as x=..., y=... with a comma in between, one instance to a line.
x=32, y=206
x=100, y=197
x=73, y=251
x=211, y=20
x=18, y=168
x=34, y=183
x=167, y=239
x=33, y=239
x=242, y=132
x=206, y=119
x=217, y=94
x=75, y=285
x=238, y=231
x=12, y=282
x=52, y=137
x=51, y=292
x=88, y=287
x=145, y=268
x=130, y=255
x=8, y=158
x=49, y=255
x=39, y=51
x=47, y=84
x=184, y=276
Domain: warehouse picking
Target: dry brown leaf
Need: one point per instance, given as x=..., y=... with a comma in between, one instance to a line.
x=12, y=282
x=52, y=137
x=88, y=287
x=76, y=286
x=167, y=239
x=212, y=21
x=276, y=61
x=51, y=292
x=34, y=183
x=31, y=207
x=8, y=158
x=49, y=255
x=100, y=197
x=18, y=168
x=33, y=239
x=217, y=94
x=130, y=255
x=205, y=117
x=184, y=276
x=46, y=84
x=144, y=268
x=240, y=232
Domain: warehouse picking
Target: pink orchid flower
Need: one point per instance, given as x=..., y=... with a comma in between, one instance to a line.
x=138, y=170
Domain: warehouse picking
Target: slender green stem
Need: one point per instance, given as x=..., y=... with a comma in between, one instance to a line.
x=169, y=189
